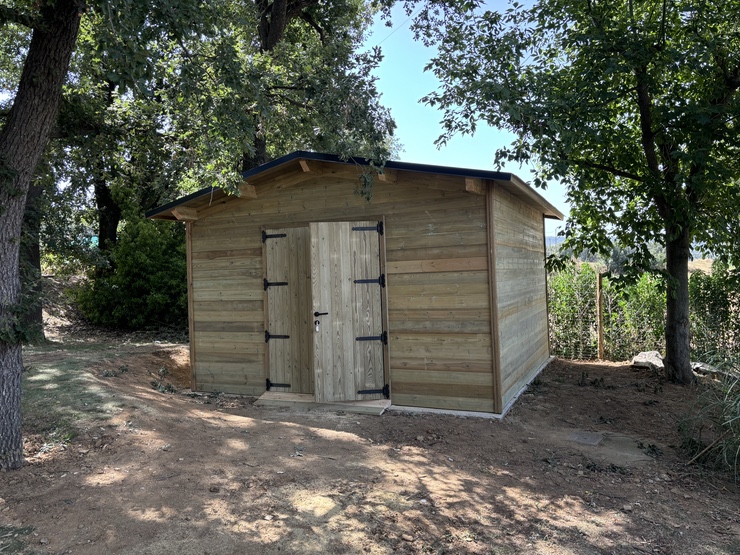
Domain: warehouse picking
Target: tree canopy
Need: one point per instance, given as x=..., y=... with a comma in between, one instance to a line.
x=632, y=104
x=145, y=100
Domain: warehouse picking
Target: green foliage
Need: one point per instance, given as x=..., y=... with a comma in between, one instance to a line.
x=715, y=318
x=572, y=312
x=164, y=106
x=711, y=434
x=160, y=384
x=634, y=317
x=149, y=285
x=13, y=326
x=164, y=101
x=633, y=314
x=631, y=104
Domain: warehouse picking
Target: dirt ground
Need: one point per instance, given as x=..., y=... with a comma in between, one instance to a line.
x=156, y=472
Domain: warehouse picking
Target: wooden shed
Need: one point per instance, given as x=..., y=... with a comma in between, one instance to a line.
x=432, y=294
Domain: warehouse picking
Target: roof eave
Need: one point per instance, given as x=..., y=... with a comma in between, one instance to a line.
x=167, y=211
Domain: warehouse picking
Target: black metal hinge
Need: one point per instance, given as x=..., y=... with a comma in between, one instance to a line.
x=273, y=283
x=378, y=228
x=269, y=336
x=266, y=236
x=380, y=280
x=382, y=337
x=386, y=391
x=269, y=384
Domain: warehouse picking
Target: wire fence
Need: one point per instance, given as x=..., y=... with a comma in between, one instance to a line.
x=633, y=316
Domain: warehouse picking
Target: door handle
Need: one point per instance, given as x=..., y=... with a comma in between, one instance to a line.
x=317, y=314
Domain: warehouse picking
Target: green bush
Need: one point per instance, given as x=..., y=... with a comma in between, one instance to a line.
x=572, y=312
x=634, y=314
x=147, y=283
x=634, y=317
x=711, y=434
x=715, y=311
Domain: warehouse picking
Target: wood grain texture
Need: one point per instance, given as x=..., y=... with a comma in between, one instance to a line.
x=437, y=255
x=521, y=302
x=289, y=309
x=191, y=305
x=339, y=256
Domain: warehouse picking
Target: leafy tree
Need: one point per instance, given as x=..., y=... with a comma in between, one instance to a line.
x=632, y=104
x=261, y=85
x=162, y=92
x=23, y=137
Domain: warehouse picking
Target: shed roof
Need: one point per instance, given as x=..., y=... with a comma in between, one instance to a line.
x=301, y=165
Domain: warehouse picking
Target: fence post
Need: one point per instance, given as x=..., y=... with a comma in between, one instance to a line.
x=599, y=316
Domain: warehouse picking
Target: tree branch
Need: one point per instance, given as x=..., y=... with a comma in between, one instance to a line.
x=645, y=106
x=308, y=18
x=604, y=167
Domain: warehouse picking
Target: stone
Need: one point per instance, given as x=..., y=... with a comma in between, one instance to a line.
x=648, y=359
x=407, y=537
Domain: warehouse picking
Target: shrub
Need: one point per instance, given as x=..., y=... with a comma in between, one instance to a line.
x=711, y=434
x=715, y=311
x=147, y=285
x=634, y=317
x=572, y=312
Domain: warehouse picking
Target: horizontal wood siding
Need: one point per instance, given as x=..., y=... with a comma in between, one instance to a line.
x=437, y=285
x=520, y=291
x=228, y=301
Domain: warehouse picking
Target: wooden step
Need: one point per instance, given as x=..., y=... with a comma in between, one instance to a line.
x=307, y=401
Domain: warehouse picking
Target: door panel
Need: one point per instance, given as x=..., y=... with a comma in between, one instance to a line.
x=288, y=308
x=343, y=365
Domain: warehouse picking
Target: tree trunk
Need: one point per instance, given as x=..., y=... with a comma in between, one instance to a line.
x=22, y=141
x=30, y=259
x=677, y=337
x=251, y=161
x=109, y=216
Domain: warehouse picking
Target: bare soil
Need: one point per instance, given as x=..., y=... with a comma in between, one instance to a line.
x=188, y=473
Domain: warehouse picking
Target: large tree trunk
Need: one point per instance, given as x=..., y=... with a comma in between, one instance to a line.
x=677, y=337
x=30, y=260
x=22, y=141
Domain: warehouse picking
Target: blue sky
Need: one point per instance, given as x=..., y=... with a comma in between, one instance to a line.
x=402, y=82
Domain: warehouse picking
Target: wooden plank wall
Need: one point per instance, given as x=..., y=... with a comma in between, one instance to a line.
x=343, y=365
x=289, y=309
x=437, y=274
x=520, y=291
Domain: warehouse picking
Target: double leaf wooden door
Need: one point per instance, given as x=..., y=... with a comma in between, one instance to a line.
x=324, y=289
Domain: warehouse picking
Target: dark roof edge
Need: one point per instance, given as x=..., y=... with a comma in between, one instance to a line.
x=390, y=164
x=181, y=200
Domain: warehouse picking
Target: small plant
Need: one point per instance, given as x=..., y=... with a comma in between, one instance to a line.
x=711, y=435
x=159, y=383
x=650, y=449
x=115, y=373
